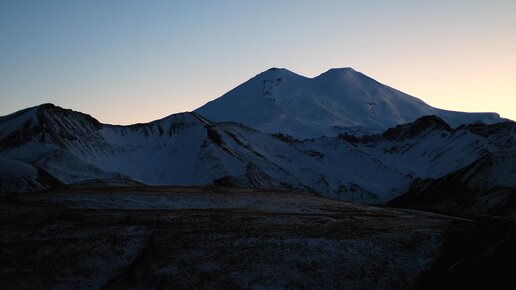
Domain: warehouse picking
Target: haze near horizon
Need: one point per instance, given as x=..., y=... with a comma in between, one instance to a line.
x=126, y=62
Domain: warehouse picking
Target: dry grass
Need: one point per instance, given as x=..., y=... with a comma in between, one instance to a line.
x=209, y=237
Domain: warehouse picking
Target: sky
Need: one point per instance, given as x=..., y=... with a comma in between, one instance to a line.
x=127, y=61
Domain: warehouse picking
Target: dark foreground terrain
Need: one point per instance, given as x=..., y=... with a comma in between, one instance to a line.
x=140, y=237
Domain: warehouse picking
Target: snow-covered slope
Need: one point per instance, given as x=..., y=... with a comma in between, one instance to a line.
x=337, y=101
x=487, y=186
x=187, y=149
x=17, y=176
x=182, y=149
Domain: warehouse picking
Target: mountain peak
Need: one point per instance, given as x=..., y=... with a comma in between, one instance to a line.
x=47, y=106
x=340, y=70
x=276, y=69
x=336, y=101
x=275, y=72
x=342, y=73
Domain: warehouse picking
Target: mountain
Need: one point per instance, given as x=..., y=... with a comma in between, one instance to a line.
x=182, y=149
x=188, y=149
x=337, y=101
x=17, y=176
x=487, y=187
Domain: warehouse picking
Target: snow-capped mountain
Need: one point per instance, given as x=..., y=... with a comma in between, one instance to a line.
x=188, y=149
x=337, y=101
x=182, y=149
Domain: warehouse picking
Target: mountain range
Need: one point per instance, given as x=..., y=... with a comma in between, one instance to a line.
x=368, y=143
x=338, y=101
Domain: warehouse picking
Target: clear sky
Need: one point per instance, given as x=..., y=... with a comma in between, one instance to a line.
x=134, y=61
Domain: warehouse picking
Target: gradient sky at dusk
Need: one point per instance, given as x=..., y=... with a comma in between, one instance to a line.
x=135, y=61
